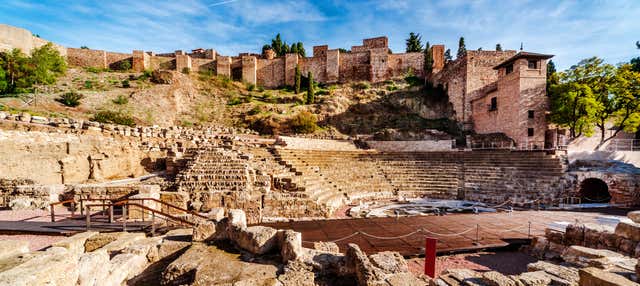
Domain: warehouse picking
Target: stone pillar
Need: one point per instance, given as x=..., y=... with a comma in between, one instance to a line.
x=437, y=52
x=141, y=61
x=183, y=62
x=249, y=69
x=210, y=54
x=333, y=66
x=290, y=63
x=223, y=66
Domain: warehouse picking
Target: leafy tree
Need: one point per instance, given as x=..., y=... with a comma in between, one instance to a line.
x=552, y=75
x=343, y=51
x=635, y=64
x=300, y=48
x=638, y=44
x=572, y=107
x=265, y=48
x=311, y=94
x=462, y=48
x=414, y=43
x=3, y=80
x=625, y=105
x=276, y=45
x=48, y=64
x=447, y=55
x=17, y=70
x=498, y=47
x=428, y=60
x=298, y=79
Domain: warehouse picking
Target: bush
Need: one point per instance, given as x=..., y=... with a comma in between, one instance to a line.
x=146, y=74
x=361, y=85
x=88, y=84
x=392, y=87
x=250, y=86
x=186, y=70
x=303, y=122
x=126, y=84
x=124, y=65
x=113, y=117
x=121, y=100
x=95, y=69
x=412, y=79
x=235, y=101
x=70, y=99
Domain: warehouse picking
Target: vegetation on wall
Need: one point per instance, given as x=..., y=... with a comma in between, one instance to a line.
x=19, y=72
x=282, y=48
x=591, y=95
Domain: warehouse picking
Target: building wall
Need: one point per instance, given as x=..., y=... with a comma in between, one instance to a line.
x=86, y=58
x=271, y=73
x=14, y=37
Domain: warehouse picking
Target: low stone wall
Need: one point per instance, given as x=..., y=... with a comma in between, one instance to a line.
x=297, y=143
x=412, y=146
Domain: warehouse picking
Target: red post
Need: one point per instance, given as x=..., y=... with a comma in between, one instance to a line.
x=430, y=257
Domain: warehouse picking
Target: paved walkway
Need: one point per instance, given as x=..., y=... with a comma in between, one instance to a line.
x=455, y=232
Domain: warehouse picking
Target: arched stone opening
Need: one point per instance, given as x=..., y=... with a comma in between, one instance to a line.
x=593, y=190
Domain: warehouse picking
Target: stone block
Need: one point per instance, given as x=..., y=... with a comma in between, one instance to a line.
x=389, y=262
x=494, y=278
x=75, y=244
x=204, y=230
x=97, y=241
x=123, y=241
x=237, y=218
x=56, y=266
x=592, y=276
x=633, y=215
x=358, y=262
x=92, y=268
x=628, y=230
x=258, y=239
x=325, y=246
x=39, y=120
x=562, y=274
x=147, y=247
x=123, y=267
x=10, y=248
x=216, y=214
x=291, y=245
x=24, y=117
x=536, y=278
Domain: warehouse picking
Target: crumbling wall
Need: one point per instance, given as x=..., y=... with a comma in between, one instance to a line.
x=354, y=67
x=399, y=64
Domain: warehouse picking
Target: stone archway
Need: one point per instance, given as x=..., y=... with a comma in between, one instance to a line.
x=594, y=190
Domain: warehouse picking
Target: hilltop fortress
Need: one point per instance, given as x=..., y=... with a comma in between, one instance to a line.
x=490, y=91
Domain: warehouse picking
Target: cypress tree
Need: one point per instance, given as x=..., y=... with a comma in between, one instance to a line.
x=462, y=48
x=298, y=79
x=301, y=50
x=311, y=94
x=498, y=47
x=414, y=44
x=428, y=60
x=447, y=55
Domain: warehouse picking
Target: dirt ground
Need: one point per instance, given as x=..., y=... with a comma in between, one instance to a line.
x=507, y=262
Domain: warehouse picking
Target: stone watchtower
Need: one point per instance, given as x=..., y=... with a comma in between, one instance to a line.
x=517, y=104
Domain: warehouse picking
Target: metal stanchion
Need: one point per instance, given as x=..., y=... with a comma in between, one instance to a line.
x=88, y=217
x=124, y=217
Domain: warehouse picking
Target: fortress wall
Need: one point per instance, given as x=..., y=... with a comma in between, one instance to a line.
x=114, y=59
x=316, y=65
x=271, y=73
x=378, y=60
x=14, y=37
x=203, y=64
x=354, y=67
x=86, y=58
x=162, y=62
x=399, y=64
x=453, y=79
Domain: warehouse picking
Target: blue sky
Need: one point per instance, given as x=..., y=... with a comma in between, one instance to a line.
x=571, y=30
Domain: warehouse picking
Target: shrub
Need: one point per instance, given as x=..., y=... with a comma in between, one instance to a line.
x=392, y=87
x=70, y=99
x=186, y=70
x=255, y=110
x=250, y=86
x=361, y=85
x=121, y=100
x=412, y=79
x=95, y=69
x=126, y=84
x=235, y=101
x=124, y=65
x=113, y=117
x=146, y=74
x=303, y=122
x=88, y=84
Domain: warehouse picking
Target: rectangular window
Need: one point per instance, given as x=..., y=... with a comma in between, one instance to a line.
x=494, y=104
x=530, y=132
x=508, y=69
x=531, y=114
x=533, y=64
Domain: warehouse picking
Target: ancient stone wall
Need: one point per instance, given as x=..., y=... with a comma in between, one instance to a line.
x=411, y=146
x=203, y=64
x=354, y=67
x=398, y=64
x=316, y=144
x=271, y=73
x=162, y=62
x=14, y=37
x=114, y=60
x=249, y=69
x=86, y=58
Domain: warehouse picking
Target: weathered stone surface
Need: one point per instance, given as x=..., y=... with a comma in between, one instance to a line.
x=562, y=274
x=39, y=120
x=258, y=239
x=174, y=241
x=390, y=262
x=326, y=262
x=124, y=266
x=216, y=214
x=365, y=272
x=123, y=241
x=634, y=216
x=536, y=278
x=147, y=247
x=291, y=245
x=93, y=268
x=97, y=241
x=56, y=266
x=204, y=230
x=405, y=279
x=574, y=234
x=465, y=276
x=237, y=218
x=297, y=273
x=10, y=248
x=494, y=278
x=182, y=270
x=554, y=236
x=628, y=230
x=592, y=276
x=325, y=246
x=162, y=77
x=585, y=256
x=75, y=243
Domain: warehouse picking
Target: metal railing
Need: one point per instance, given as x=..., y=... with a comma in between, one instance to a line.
x=623, y=145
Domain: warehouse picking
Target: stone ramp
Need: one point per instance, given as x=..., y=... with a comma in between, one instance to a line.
x=456, y=232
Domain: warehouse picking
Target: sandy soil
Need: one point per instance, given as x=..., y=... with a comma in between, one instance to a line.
x=507, y=262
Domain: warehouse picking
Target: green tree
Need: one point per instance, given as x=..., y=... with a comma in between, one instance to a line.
x=300, y=48
x=3, y=80
x=552, y=75
x=298, y=79
x=276, y=45
x=47, y=64
x=311, y=94
x=265, y=48
x=498, y=47
x=414, y=43
x=447, y=55
x=462, y=47
x=635, y=64
x=17, y=70
x=638, y=44
x=625, y=102
x=573, y=106
x=428, y=60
